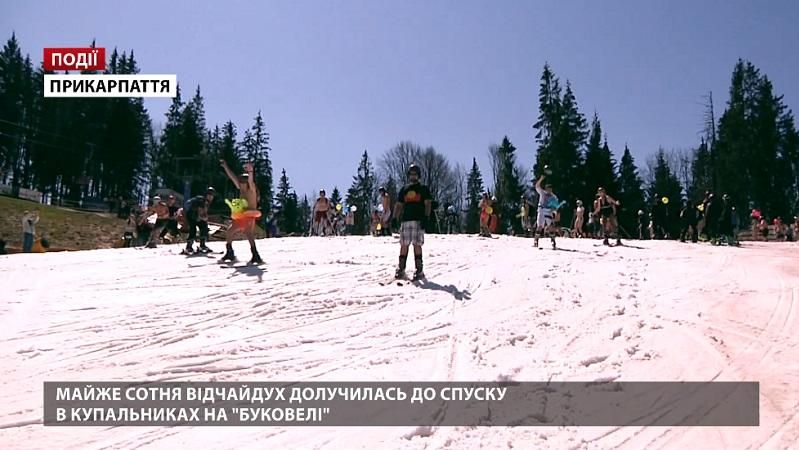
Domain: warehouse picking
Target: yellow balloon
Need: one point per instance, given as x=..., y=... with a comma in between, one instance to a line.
x=490, y=210
x=665, y=200
x=338, y=207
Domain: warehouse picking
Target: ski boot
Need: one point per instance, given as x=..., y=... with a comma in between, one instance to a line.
x=554, y=246
x=203, y=248
x=605, y=242
x=618, y=241
x=400, y=273
x=535, y=242
x=256, y=258
x=229, y=255
x=419, y=273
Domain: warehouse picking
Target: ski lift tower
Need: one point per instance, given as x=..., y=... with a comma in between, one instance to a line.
x=188, y=167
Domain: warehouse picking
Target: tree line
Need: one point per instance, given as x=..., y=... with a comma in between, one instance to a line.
x=102, y=148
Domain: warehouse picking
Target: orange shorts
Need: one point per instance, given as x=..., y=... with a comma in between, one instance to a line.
x=245, y=219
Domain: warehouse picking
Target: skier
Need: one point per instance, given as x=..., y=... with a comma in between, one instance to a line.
x=349, y=222
x=246, y=224
x=170, y=231
x=545, y=219
x=712, y=216
x=579, y=216
x=524, y=213
x=606, y=209
x=725, y=222
x=196, y=215
x=688, y=220
x=485, y=215
x=321, y=223
x=413, y=209
x=385, y=218
x=161, y=210
x=643, y=225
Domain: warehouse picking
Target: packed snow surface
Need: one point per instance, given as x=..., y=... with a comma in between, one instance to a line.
x=494, y=309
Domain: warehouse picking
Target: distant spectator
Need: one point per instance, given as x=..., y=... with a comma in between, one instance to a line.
x=29, y=221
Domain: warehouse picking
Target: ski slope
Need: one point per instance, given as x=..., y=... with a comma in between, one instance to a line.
x=495, y=309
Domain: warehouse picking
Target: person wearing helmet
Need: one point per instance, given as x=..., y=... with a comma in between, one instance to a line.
x=643, y=225
x=321, y=210
x=385, y=216
x=413, y=209
x=245, y=223
x=195, y=214
x=579, y=217
x=605, y=207
x=545, y=220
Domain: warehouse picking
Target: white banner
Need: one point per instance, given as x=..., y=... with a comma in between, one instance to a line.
x=102, y=85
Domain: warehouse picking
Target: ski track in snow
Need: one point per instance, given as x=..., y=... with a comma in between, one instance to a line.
x=491, y=310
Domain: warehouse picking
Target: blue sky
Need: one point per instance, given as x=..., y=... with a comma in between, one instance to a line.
x=333, y=78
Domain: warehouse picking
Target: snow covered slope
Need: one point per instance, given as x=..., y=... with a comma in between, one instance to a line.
x=494, y=309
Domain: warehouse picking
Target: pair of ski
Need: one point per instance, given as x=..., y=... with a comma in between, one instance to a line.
x=403, y=280
x=236, y=264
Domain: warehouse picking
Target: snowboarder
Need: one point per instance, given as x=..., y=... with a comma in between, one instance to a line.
x=413, y=209
x=196, y=215
x=245, y=223
x=547, y=205
x=606, y=209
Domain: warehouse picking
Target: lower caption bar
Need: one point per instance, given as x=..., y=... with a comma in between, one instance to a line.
x=402, y=404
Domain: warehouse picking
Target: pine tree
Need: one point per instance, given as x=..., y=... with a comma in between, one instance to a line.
x=702, y=173
x=255, y=147
x=561, y=136
x=171, y=144
x=361, y=194
x=335, y=196
x=304, y=219
x=474, y=193
x=508, y=187
x=666, y=184
x=12, y=80
x=630, y=194
x=229, y=152
x=288, y=220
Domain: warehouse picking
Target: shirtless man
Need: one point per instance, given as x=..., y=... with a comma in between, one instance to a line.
x=249, y=192
x=320, y=214
x=385, y=218
x=161, y=210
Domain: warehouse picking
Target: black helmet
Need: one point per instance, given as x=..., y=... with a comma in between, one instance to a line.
x=414, y=168
x=210, y=190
